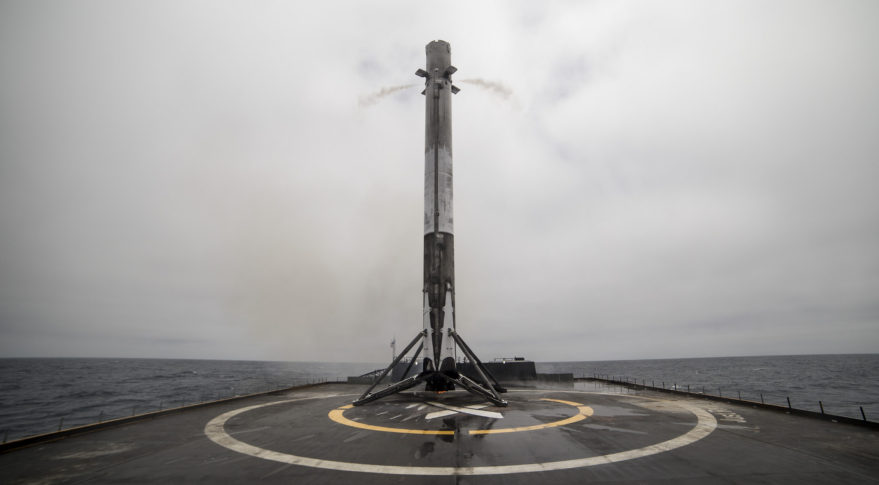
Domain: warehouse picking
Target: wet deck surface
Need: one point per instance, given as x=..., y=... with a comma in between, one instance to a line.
x=562, y=436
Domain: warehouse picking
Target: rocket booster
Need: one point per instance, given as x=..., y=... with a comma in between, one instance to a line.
x=439, y=239
x=439, y=338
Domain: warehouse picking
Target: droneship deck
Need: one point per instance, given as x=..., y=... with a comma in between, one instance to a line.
x=571, y=435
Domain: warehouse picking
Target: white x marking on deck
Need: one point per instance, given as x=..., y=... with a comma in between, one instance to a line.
x=474, y=410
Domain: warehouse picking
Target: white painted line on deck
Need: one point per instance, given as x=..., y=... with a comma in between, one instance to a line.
x=216, y=432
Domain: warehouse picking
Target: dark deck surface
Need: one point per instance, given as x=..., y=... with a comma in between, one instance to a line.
x=552, y=436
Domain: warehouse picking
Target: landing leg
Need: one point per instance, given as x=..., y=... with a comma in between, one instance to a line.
x=475, y=388
x=488, y=389
x=480, y=367
x=490, y=393
x=364, y=398
x=392, y=389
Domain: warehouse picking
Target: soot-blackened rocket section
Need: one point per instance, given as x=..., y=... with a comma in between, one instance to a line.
x=438, y=339
x=439, y=239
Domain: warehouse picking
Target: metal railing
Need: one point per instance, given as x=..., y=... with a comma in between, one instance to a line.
x=702, y=392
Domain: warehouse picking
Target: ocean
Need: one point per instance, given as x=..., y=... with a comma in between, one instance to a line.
x=41, y=395
x=843, y=383
x=36, y=394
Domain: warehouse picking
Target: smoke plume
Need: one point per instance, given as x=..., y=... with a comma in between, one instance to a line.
x=371, y=99
x=495, y=87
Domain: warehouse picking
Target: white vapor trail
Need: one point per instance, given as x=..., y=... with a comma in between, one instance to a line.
x=372, y=98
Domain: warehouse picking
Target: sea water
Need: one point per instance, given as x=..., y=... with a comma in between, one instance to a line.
x=843, y=383
x=37, y=394
x=41, y=395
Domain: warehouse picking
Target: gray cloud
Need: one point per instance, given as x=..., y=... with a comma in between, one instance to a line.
x=196, y=180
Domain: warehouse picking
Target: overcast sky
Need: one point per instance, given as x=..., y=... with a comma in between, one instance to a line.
x=636, y=179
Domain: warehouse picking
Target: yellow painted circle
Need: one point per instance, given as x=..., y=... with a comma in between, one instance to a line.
x=583, y=412
x=215, y=431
